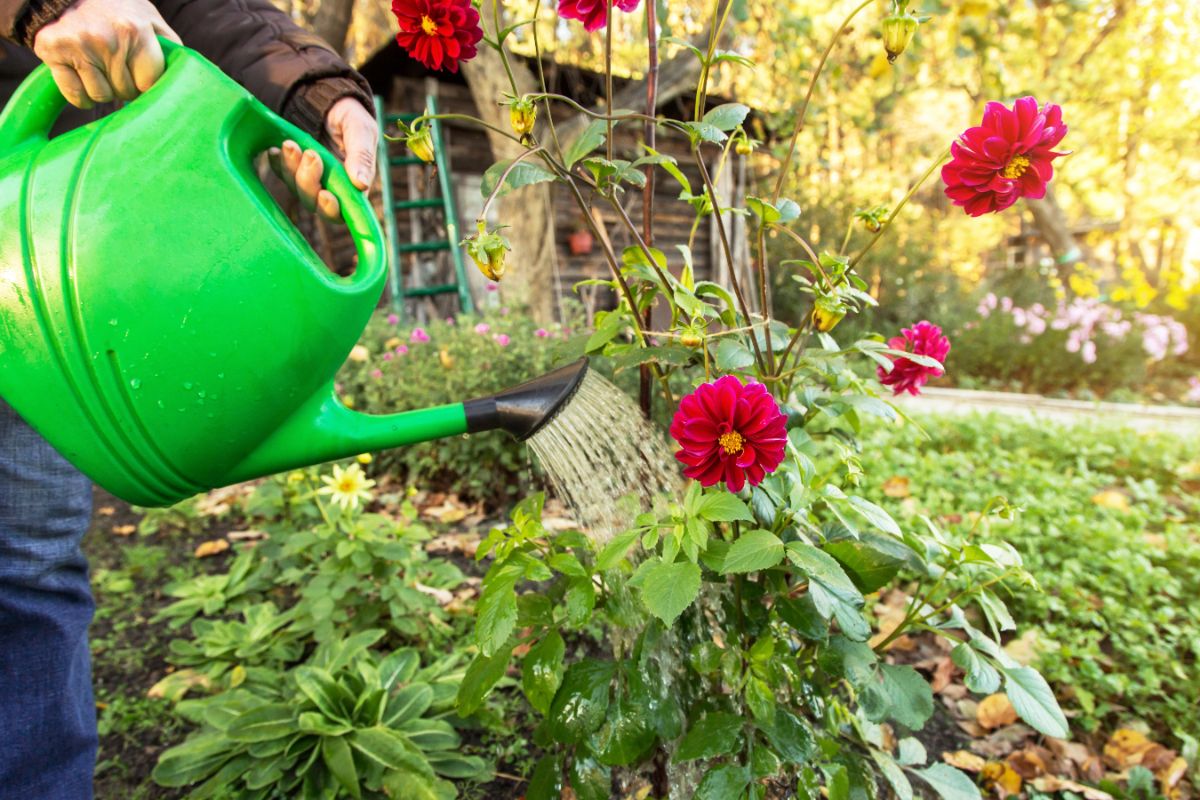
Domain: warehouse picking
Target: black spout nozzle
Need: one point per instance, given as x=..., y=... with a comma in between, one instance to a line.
x=523, y=410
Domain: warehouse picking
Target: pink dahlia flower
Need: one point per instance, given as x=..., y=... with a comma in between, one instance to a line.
x=729, y=432
x=541, y=333
x=502, y=339
x=393, y=319
x=482, y=328
x=592, y=13
x=419, y=335
x=923, y=339
x=438, y=33
x=1007, y=157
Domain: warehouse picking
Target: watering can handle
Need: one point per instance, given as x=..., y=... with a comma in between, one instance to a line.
x=37, y=104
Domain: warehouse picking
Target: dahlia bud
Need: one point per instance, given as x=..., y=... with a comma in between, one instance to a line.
x=827, y=313
x=522, y=114
x=690, y=339
x=420, y=142
x=898, y=31
x=488, y=250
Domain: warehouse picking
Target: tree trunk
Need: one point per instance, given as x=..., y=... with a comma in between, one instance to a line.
x=1051, y=222
x=528, y=212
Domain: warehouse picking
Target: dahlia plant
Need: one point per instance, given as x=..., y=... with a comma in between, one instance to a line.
x=739, y=615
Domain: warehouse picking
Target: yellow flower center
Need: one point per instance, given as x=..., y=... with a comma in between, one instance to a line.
x=731, y=442
x=347, y=485
x=1016, y=168
x=428, y=25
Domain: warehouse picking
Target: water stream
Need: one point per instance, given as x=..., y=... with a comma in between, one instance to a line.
x=604, y=459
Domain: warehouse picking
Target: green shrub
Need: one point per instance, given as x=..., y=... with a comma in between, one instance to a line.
x=1119, y=620
x=463, y=359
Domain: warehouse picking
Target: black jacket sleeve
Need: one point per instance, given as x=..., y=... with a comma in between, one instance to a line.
x=292, y=71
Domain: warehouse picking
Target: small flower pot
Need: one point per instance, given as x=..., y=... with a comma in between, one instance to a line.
x=580, y=243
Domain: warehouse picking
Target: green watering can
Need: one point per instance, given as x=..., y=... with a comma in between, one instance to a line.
x=163, y=324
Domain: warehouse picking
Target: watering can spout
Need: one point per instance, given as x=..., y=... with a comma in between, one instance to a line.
x=324, y=429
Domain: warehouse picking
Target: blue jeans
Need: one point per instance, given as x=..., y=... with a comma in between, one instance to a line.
x=47, y=715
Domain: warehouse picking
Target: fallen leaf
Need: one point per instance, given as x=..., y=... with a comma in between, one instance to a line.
x=1112, y=499
x=442, y=596
x=965, y=760
x=1170, y=777
x=1027, y=648
x=995, y=711
x=1156, y=758
x=211, y=548
x=1001, y=777
x=1125, y=748
x=106, y=511
x=1001, y=742
x=219, y=501
x=175, y=685
x=942, y=674
x=1071, y=751
x=124, y=530
x=896, y=486
x=1050, y=783
x=1027, y=763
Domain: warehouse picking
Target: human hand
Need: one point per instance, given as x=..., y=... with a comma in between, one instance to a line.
x=104, y=50
x=353, y=132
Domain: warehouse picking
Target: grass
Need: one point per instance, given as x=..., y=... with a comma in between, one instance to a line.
x=1109, y=526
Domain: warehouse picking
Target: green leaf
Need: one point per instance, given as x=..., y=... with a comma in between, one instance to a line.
x=625, y=735
x=320, y=687
x=581, y=703
x=389, y=748
x=337, y=756
x=589, y=779
x=481, y=676
x=829, y=583
x=668, y=589
x=703, y=132
x=409, y=703
x=592, y=137
x=949, y=783
x=875, y=515
x=721, y=506
x=408, y=785
x=788, y=210
x=316, y=722
x=791, y=736
x=723, y=783
x=898, y=692
x=732, y=355
x=871, y=561
x=716, y=734
x=911, y=752
x=523, y=174
x=194, y=760
x=398, y=667
x=752, y=551
x=547, y=780
x=542, y=671
x=763, y=209
x=895, y=776
x=580, y=599
x=727, y=116
x=615, y=551
x=982, y=677
x=1034, y=701
x=272, y=721
x=495, y=617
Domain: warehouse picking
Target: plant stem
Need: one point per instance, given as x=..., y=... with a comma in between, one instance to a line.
x=912, y=190
x=503, y=177
x=649, y=130
x=461, y=118
x=733, y=279
x=714, y=35
x=812, y=83
x=608, y=78
x=500, y=48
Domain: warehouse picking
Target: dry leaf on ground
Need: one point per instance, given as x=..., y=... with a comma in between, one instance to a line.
x=247, y=536
x=1049, y=783
x=896, y=486
x=105, y=511
x=442, y=596
x=1111, y=499
x=965, y=760
x=124, y=530
x=211, y=548
x=995, y=711
x=1002, y=778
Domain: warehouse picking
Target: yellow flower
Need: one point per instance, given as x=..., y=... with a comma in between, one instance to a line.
x=365, y=458
x=295, y=477
x=393, y=343
x=359, y=353
x=420, y=142
x=346, y=487
x=348, y=401
x=522, y=114
x=446, y=359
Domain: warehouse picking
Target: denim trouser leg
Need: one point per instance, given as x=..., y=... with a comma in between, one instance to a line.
x=47, y=714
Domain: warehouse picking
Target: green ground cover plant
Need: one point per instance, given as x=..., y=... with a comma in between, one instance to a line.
x=1109, y=527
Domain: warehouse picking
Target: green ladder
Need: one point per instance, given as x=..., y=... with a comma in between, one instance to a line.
x=446, y=202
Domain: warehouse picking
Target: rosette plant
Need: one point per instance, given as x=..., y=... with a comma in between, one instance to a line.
x=741, y=653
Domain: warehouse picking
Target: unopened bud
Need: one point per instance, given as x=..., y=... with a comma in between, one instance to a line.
x=522, y=114
x=420, y=142
x=690, y=340
x=488, y=250
x=827, y=313
x=898, y=32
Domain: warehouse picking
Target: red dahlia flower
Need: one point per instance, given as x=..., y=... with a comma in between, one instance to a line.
x=438, y=33
x=1007, y=157
x=592, y=13
x=924, y=339
x=729, y=432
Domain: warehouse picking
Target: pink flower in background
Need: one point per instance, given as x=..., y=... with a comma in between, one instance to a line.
x=729, y=432
x=502, y=339
x=482, y=328
x=388, y=356
x=376, y=374
x=402, y=350
x=923, y=339
x=1088, y=352
x=451, y=321
x=419, y=336
x=592, y=13
x=1007, y=157
x=393, y=319
x=541, y=333
x=1193, y=393
x=492, y=286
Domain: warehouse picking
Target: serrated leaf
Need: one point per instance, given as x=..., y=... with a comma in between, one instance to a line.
x=580, y=705
x=753, y=551
x=723, y=507
x=592, y=137
x=727, y=116
x=900, y=693
x=732, y=355
x=668, y=589
x=542, y=671
x=481, y=676
x=724, y=782
x=495, y=617
x=523, y=174
x=715, y=734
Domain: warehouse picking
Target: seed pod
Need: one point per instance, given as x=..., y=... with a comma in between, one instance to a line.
x=898, y=32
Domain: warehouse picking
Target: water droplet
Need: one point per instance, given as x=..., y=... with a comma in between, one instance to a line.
x=135, y=383
x=112, y=322
x=187, y=385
